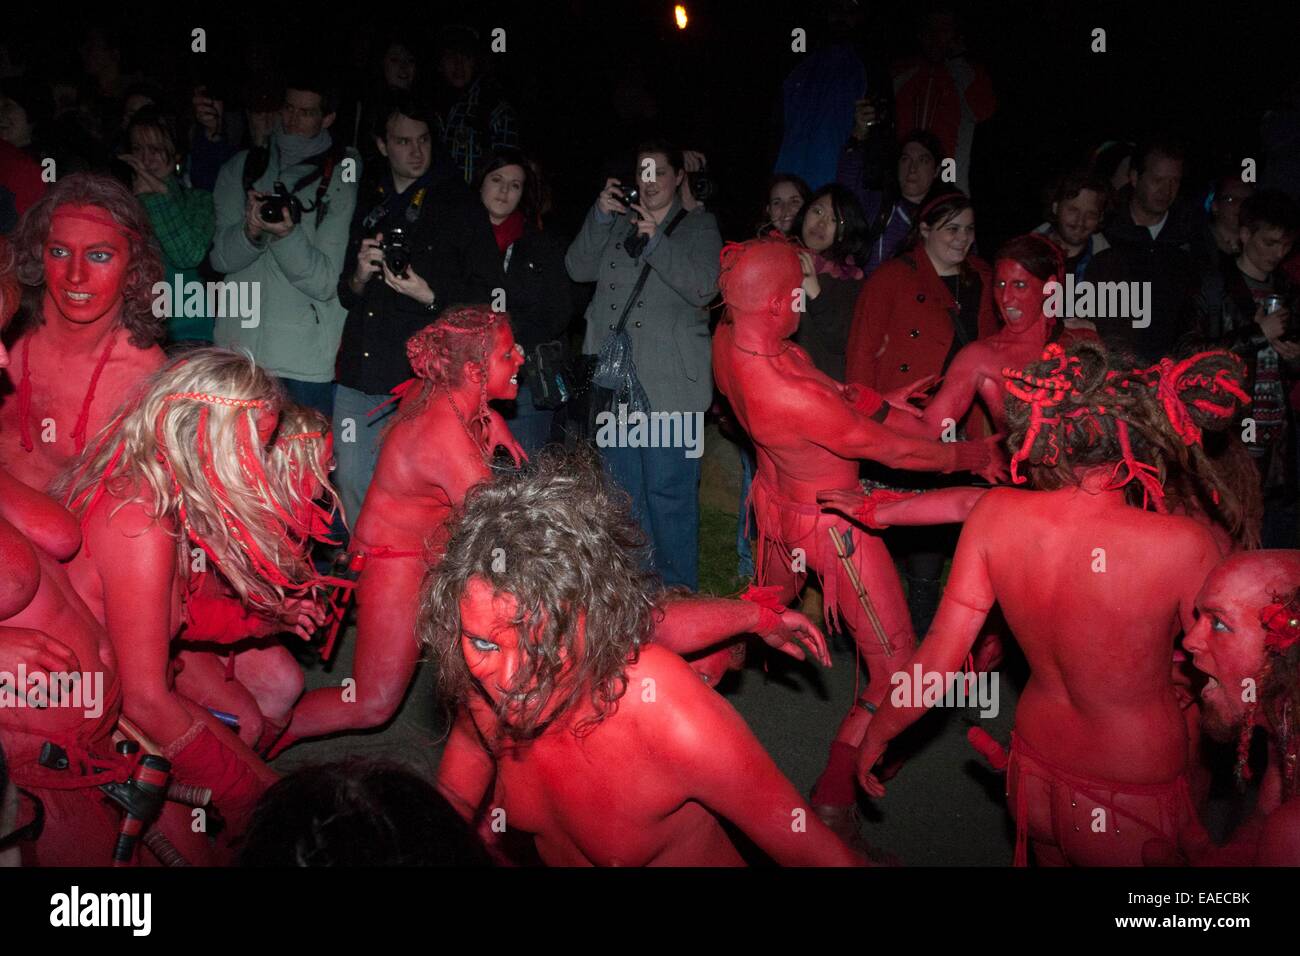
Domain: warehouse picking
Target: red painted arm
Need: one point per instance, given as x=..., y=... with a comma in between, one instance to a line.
x=724, y=767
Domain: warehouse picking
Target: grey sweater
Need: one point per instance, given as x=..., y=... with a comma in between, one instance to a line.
x=669, y=323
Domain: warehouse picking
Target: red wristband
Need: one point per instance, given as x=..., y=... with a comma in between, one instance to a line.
x=863, y=399
x=770, y=607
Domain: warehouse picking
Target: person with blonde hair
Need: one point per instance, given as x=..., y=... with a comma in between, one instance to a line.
x=174, y=485
x=231, y=660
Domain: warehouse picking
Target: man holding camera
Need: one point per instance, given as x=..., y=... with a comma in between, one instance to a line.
x=1246, y=305
x=282, y=227
x=419, y=241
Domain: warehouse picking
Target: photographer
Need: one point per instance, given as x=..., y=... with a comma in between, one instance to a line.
x=668, y=327
x=416, y=211
x=291, y=243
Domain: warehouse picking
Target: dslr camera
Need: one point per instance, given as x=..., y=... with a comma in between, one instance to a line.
x=397, y=251
x=279, y=204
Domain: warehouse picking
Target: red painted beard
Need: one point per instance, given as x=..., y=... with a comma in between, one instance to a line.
x=86, y=263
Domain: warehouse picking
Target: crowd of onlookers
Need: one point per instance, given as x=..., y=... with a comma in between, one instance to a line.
x=412, y=190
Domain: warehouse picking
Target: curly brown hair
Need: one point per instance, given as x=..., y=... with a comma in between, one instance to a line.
x=571, y=549
x=92, y=189
x=1085, y=406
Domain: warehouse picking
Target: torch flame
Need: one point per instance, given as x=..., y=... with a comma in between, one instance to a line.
x=679, y=13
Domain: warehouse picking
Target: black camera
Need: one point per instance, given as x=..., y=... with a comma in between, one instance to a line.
x=702, y=185
x=631, y=193
x=397, y=251
x=281, y=202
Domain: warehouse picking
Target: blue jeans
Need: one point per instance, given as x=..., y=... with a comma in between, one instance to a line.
x=356, y=445
x=530, y=425
x=745, y=551
x=317, y=395
x=665, y=489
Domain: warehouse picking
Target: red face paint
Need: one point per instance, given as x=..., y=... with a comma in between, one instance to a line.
x=86, y=265
x=503, y=364
x=267, y=419
x=1019, y=295
x=489, y=641
x=1227, y=644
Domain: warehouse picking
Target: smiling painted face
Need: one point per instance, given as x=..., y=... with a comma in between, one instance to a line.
x=1019, y=295
x=86, y=263
x=505, y=360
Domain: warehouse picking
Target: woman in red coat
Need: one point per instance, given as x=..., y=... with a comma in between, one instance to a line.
x=917, y=310
x=914, y=315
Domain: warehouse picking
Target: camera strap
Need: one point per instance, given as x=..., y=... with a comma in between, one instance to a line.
x=645, y=274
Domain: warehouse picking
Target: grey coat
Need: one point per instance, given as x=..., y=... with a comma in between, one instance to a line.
x=669, y=324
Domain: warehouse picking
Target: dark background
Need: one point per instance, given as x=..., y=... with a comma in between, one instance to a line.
x=1204, y=71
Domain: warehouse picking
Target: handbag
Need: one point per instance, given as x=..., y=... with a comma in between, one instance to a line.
x=545, y=375
x=610, y=377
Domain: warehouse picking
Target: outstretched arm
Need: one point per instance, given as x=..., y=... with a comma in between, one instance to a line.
x=723, y=766
x=839, y=428
x=962, y=612
x=957, y=394
x=689, y=624
x=884, y=509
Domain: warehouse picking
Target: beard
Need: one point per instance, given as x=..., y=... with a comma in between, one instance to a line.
x=1219, y=725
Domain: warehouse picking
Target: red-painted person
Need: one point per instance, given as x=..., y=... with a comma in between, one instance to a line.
x=574, y=730
x=810, y=433
x=46, y=629
x=178, y=481
x=1246, y=643
x=1100, y=749
x=86, y=258
x=438, y=447
x=1021, y=270
x=231, y=659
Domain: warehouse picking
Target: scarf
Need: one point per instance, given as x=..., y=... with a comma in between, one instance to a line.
x=847, y=269
x=510, y=229
x=294, y=150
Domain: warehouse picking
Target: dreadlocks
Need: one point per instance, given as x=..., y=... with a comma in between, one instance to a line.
x=1084, y=407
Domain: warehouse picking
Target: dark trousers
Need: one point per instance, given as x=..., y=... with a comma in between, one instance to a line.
x=665, y=488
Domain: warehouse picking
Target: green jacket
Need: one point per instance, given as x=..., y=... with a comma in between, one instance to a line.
x=183, y=220
x=296, y=333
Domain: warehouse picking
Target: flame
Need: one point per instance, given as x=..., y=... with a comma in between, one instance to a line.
x=679, y=14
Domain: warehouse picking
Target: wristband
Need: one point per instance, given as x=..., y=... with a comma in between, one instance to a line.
x=863, y=399
x=770, y=607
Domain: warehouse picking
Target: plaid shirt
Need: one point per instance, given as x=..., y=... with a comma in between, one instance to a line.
x=463, y=131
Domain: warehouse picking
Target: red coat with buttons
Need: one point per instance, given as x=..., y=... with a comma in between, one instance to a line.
x=903, y=322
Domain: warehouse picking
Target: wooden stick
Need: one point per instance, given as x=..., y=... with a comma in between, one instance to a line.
x=863, y=598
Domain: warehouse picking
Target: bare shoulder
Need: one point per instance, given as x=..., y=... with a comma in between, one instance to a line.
x=668, y=701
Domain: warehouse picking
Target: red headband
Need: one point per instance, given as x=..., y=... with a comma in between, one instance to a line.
x=215, y=399
x=104, y=219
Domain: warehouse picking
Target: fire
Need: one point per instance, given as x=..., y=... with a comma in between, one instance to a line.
x=679, y=13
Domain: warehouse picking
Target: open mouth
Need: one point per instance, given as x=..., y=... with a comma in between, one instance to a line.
x=78, y=296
